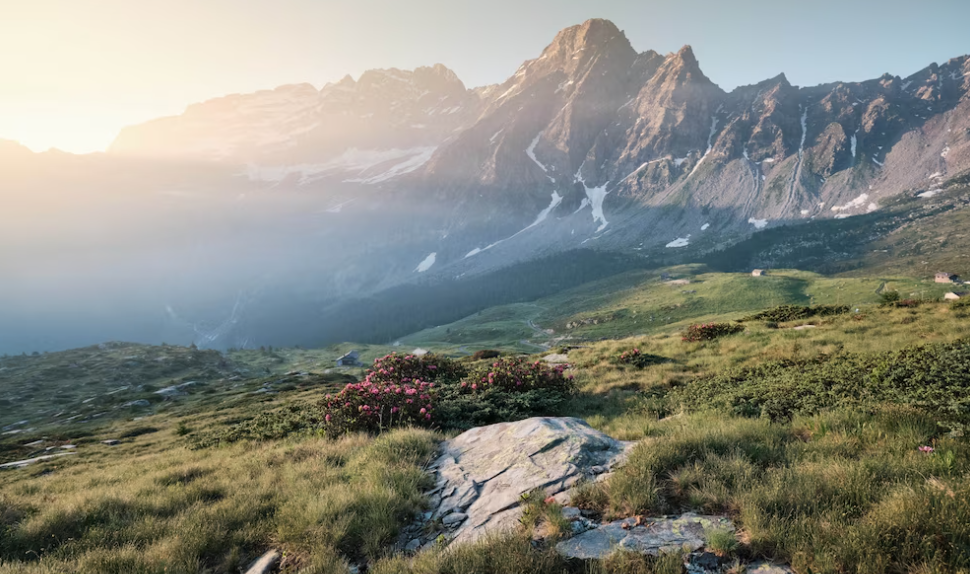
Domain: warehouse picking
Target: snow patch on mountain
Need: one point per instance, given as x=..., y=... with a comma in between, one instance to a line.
x=556, y=200
x=426, y=263
x=531, y=152
x=758, y=223
x=680, y=242
x=705, y=226
x=857, y=202
x=353, y=160
x=420, y=157
x=710, y=141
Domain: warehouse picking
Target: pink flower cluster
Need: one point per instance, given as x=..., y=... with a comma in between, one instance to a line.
x=629, y=356
x=369, y=406
x=397, y=390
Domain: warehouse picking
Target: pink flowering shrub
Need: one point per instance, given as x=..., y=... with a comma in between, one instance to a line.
x=710, y=331
x=399, y=390
x=395, y=368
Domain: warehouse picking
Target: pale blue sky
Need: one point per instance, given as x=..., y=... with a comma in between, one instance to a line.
x=75, y=71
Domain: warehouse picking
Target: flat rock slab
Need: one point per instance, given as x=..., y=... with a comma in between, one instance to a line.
x=29, y=461
x=556, y=359
x=763, y=567
x=483, y=473
x=654, y=536
x=265, y=563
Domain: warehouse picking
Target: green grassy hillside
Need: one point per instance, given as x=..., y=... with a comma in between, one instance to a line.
x=640, y=303
x=832, y=487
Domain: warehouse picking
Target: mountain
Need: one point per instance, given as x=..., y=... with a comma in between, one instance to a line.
x=291, y=207
x=391, y=118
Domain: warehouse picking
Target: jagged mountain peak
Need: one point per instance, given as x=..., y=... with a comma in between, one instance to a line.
x=577, y=45
x=592, y=32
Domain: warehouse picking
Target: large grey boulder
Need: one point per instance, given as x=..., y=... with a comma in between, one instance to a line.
x=687, y=532
x=482, y=474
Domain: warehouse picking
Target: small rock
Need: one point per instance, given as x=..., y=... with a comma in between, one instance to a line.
x=139, y=403
x=571, y=513
x=598, y=469
x=765, y=567
x=111, y=442
x=454, y=518
x=426, y=516
x=652, y=537
x=413, y=545
x=265, y=563
x=705, y=561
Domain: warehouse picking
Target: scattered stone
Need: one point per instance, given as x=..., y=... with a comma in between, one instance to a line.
x=29, y=461
x=454, y=518
x=571, y=513
x=704, y=561
x=265, y=563
x=765, y=567
x=111, y=442
x=141, y=403
x=556, y=359
x=35, y=443
x=653, y=537
x=803, y=327
x=413, y=545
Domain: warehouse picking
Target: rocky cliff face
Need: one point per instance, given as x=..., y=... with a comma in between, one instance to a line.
x=347, y=126
x=592, y=127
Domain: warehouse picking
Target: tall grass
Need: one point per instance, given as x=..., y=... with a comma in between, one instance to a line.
x=215, y=510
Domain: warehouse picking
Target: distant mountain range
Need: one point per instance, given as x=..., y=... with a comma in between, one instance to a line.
x=589, y=145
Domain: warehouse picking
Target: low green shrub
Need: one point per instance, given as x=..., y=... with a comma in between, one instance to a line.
x=505, y=390
x=485, y=354
x=640, y=360
x=889, y=298
x=785, y=313
x=710, y=331
x=933, y=378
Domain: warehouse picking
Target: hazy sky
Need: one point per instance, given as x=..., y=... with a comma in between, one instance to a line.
x=73, y=72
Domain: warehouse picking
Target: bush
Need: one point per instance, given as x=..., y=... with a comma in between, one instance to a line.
x=933, y=378
x=640, y=360
x=397, y=369
x=785, y=313
x=485, y=354
x=508, y=389
x=889, y=298
x=397, y=391
x=710, y=331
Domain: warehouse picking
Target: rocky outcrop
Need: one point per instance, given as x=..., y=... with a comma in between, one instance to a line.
x=481, y=474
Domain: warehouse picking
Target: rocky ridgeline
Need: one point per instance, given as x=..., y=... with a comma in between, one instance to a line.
x=482, y=475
